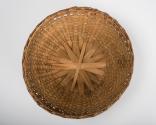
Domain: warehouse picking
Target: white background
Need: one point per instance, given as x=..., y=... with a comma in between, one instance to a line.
x=18, y=18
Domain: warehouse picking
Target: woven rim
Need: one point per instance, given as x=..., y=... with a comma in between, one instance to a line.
x=84, y=102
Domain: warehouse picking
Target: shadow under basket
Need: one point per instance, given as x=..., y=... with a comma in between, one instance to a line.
x=77, y=62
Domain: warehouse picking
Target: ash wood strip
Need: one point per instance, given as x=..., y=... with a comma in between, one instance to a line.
x=86, y=79
x=95, y=71
x=67, y=79
x=80, y=85
x=79, y=66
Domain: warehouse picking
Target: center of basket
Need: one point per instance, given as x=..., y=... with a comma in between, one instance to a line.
x=82, y=66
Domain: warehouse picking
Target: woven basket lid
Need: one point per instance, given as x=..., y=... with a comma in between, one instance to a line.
x=77, y=62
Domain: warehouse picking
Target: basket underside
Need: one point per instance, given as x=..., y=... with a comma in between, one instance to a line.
x=77, y=62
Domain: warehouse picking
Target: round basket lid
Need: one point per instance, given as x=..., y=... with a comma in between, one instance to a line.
x=77, y=62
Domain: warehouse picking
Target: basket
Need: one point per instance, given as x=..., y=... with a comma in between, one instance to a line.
x=77, y=62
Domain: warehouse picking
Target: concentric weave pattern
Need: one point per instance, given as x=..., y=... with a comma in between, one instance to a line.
x=77, y=62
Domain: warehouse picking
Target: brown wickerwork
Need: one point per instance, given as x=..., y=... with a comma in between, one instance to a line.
x=77, y=62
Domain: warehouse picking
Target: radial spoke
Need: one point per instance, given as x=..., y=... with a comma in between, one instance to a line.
x=86, y=79
x=76, y=48
x=96, y=71
x=80, y=85
x=61, y=73
x=94, y=78
x=68, y=77
x=66, y=66
x=93, y=65
x=79, y=64
x=95, y=59
x=71, y=54
x=89, y=54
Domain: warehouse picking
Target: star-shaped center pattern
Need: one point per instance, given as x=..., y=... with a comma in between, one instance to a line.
x=81, y=66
